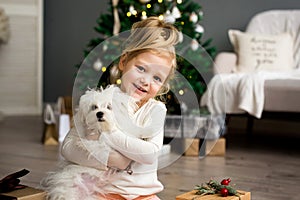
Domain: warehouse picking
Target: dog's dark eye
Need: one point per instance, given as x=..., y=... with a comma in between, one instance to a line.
x=109, y=106
x=94, y=107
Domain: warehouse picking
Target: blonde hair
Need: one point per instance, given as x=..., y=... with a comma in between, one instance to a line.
x=150, y=35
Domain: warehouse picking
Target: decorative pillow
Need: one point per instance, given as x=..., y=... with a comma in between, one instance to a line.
x=262, y=52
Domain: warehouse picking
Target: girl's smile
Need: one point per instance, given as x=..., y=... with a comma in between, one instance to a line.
x=139, y=88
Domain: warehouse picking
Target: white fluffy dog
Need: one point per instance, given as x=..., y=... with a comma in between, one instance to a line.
x=73, y=181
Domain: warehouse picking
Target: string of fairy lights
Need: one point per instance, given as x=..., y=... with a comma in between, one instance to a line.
x=168, y=16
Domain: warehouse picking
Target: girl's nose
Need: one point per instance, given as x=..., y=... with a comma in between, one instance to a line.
x=145, y=80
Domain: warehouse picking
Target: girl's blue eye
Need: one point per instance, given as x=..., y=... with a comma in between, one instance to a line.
x=156, y=78
x=140, y=68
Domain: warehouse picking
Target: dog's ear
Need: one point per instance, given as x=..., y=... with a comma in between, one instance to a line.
x=84, y=104
x=81, y=115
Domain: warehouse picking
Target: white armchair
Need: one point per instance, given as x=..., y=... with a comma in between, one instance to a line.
x=263, y=71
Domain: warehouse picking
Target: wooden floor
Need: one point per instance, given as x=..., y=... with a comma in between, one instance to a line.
x=268, y=166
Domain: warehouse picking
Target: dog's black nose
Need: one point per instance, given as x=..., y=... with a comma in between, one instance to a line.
x=99, y=115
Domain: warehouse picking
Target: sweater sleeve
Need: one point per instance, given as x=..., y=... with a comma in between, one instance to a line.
x=141, y=151
x=72, y=152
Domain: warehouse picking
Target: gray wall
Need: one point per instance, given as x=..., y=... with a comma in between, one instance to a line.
x=221, y=15
x=69, y=26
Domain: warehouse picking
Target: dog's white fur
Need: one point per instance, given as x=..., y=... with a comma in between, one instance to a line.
x=73, y=182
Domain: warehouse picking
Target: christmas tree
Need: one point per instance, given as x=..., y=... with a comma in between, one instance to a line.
x=186, y=15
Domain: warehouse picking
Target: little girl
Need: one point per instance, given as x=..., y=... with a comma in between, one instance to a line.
x=147, y=63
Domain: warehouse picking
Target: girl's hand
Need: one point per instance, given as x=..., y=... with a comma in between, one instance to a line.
x=117, y=160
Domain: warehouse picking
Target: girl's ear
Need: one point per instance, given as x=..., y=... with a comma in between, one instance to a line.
x=122, y=63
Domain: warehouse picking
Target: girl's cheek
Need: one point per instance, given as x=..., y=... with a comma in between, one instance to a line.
x=155, y=89
x=134, y=75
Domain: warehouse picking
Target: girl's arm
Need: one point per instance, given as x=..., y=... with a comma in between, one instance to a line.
x=72, y=152
x=141, y=151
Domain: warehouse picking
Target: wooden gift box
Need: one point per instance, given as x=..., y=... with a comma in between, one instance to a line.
x=216, y=148
x=193, y=196
x=212, y=147
x=192, y=146
x=27, y=193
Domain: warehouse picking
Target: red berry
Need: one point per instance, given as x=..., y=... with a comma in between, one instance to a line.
x=229, y=180
x=225, y=182
x=224, y=192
